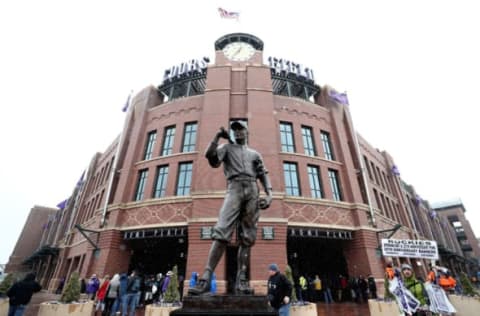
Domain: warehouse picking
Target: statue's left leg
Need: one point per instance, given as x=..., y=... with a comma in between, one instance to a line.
x=247, y=232
x=242, y=285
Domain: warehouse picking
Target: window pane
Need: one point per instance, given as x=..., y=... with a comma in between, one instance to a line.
x=333, y=177
x=314, y=179
x=286, y=137
x=142, y=180
x=189, y=137
x=291, y=179
x=168, y=141
x=151, y=139
x=184, y=178
x=308, y=143
x=161, y=182
x=327, y=146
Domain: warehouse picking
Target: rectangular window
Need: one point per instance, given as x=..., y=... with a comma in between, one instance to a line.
x=292, y=186
x=142, y=181
x=380, y=177
x=377, y=200
x=365, y=159
x=151, y=139
x=161, y=181
x=315, y=183
x=189, y=137
x=335, y=184
x=327, y=145
x=286, y=137
x=374, y=173
x=184, y=178
x=168, y=137
x=308, y=143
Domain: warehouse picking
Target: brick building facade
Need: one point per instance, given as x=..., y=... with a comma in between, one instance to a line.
x=30, y=238
x=149, y=201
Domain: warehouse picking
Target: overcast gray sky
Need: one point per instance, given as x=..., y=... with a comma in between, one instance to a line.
x=411, y=70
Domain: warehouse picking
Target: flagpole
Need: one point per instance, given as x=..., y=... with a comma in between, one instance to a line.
x=62, y=210
x=407, y=207
x=115, y=161
x=75, y=205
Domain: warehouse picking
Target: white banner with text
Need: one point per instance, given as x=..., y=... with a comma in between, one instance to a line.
x=426, y=249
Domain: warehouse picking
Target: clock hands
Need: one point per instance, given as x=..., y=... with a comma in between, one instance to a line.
x=237, y=51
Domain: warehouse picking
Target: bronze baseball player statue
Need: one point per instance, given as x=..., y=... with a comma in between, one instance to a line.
x=241, y=207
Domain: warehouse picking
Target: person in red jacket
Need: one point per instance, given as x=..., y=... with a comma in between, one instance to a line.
x=101, y=293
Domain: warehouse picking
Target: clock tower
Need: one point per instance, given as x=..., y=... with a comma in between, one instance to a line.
x=239, y=48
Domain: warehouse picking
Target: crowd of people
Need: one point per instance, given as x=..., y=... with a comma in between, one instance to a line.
x=122, y=294
x=339, y=288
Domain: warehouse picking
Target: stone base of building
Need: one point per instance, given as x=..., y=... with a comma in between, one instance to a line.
x=223, y=305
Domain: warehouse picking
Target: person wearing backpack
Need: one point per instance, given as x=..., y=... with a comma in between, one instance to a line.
x=132, y=297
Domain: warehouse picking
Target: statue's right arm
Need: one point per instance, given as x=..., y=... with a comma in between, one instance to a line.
x=211, y=153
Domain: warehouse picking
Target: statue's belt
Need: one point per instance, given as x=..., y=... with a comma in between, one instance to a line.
x=241, y=178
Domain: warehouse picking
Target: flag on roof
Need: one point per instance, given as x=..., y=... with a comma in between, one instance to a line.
x=395, y=170
x=418, y=200
x=340, y=97
x=80, y=181
x=62, y=204
x=127, y=104
x=228, y=14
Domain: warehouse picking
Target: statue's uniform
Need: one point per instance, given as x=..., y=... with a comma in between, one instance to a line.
x=242, y=166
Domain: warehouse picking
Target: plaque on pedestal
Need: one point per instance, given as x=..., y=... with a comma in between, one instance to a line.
x=223, y=305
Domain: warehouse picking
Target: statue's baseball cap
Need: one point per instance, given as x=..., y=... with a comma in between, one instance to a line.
x=236, y=125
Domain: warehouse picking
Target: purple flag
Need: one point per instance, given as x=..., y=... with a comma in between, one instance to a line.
x=127, y=104
x=338, y=97
x=228, y=14
x=395, y=170
x=80, y=181
x=62, y=204
x=432, y=214
x=418, y=200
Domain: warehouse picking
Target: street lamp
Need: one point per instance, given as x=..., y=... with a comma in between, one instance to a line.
x=392, y=232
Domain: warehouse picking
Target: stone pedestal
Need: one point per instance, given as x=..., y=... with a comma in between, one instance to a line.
x=3, y=307
x=154, y=310
x=303, y=310
x=72, y=309
x=223, y=305
x=381, y=308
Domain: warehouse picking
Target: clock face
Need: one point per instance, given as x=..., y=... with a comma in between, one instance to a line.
x=239, y=51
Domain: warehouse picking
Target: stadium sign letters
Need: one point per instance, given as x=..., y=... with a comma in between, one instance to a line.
x=426, y=249
x=289, y=67
x=186, y=68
